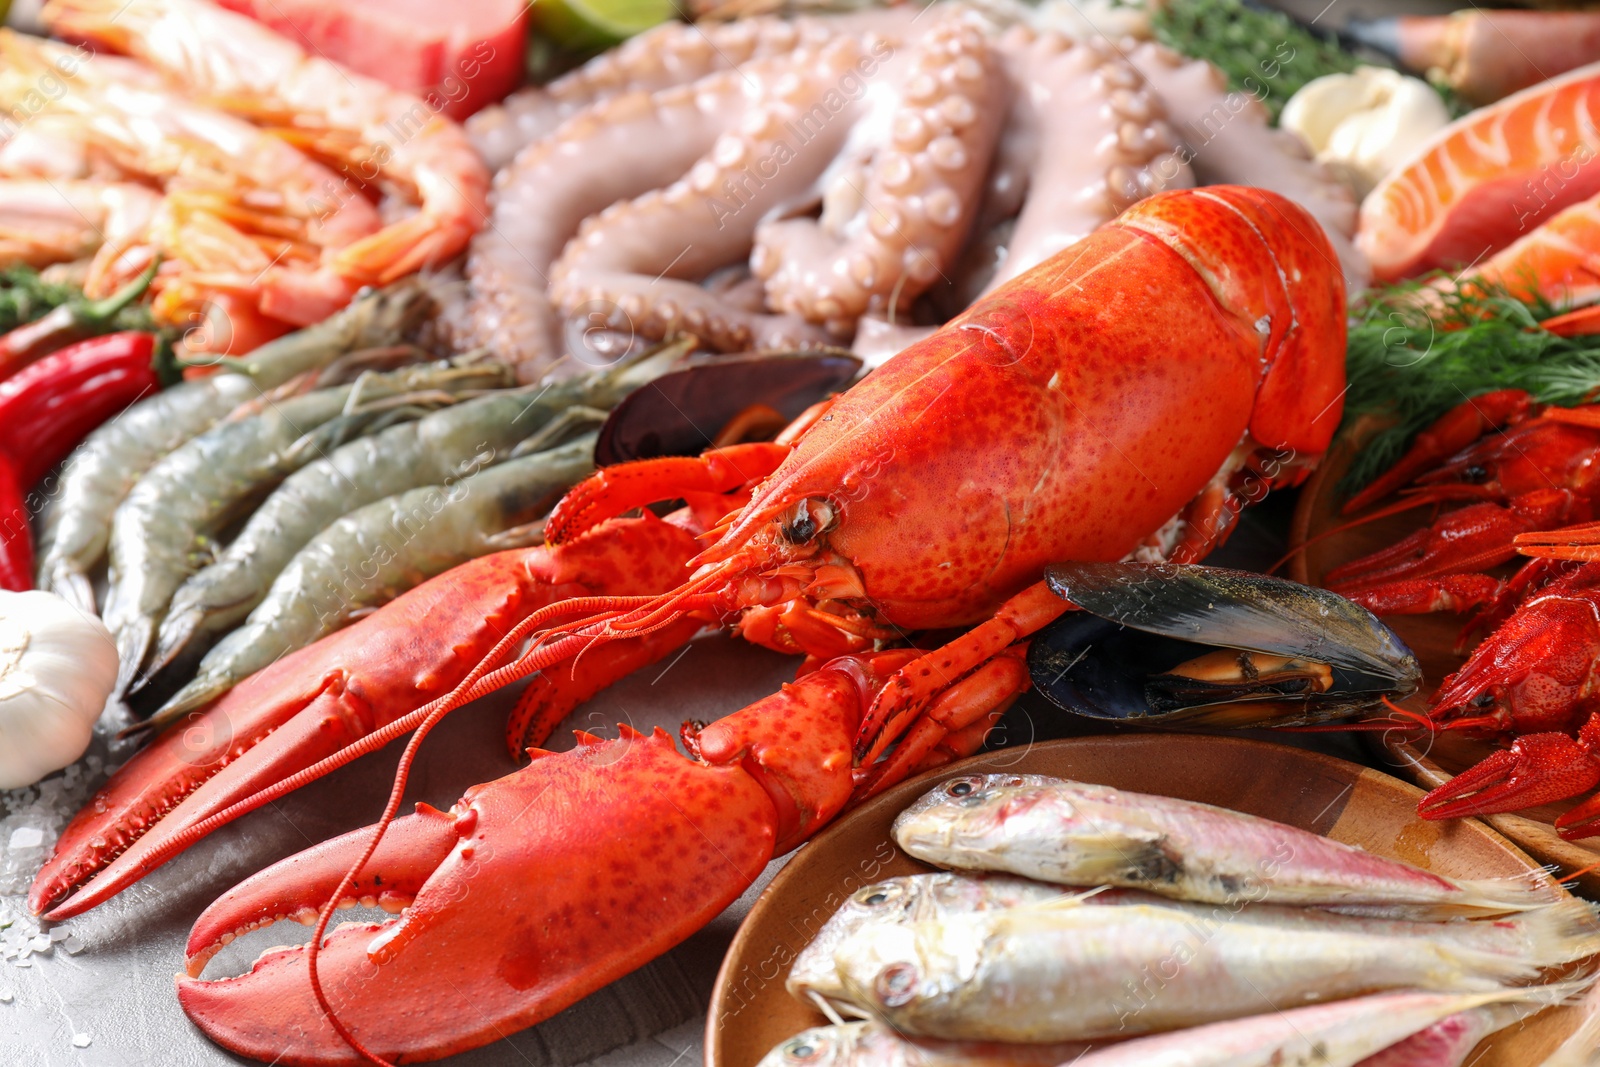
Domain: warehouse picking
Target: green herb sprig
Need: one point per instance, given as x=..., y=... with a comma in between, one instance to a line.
x=1263, y=53
x=25, y=296
x=1413, y=356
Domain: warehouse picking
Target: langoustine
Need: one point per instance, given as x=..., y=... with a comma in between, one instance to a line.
x=1524, y=472
x=978, y=434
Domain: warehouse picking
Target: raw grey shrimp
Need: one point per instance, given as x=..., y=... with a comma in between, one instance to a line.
x=80, y=500
x=377, y=552
x=168, y=517
x=426, y=452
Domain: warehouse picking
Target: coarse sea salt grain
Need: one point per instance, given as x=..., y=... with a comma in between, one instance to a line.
x=26, y=837
x=80, y=1040
x=7, y=996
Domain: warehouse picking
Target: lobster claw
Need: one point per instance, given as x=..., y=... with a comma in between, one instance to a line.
x=617, y=828
x=1536, y=769
x=311, y=704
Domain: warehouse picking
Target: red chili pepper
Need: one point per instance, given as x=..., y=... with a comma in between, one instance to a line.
x=70, y=322
x=16, y=539
x=48, y=408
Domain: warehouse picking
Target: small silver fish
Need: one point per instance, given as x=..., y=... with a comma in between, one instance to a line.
x=1077, y=834
x=910, y=898
x=1063, y=971
x=1347, y=1033
x=862, y=1044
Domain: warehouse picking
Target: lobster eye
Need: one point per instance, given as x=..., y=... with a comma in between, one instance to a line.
x=805, y=520
x=800, y=530
x=1476, y=473
x=1483, y=699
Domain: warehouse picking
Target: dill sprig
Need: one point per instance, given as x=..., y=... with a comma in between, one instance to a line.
x=1264, y=53
x=1413, y=356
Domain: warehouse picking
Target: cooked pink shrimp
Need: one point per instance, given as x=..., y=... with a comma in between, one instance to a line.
x=377, y=135
x=238, y=215
x=44, y=221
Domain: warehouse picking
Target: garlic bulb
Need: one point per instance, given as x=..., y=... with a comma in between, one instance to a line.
x=57, y=667
x=1364, y=124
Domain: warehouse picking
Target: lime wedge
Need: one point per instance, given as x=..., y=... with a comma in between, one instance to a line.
x=590, y=24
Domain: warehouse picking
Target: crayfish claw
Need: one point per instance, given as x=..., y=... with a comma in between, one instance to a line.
x=1536, y=769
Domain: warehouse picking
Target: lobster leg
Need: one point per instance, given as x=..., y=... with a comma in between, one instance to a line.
x=912, y=689
x=613, y=490
x=554, y=692
x=955, y=723
x=310, y=705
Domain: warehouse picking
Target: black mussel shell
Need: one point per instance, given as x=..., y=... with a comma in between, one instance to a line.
x=679, y=414
x=1320, y=656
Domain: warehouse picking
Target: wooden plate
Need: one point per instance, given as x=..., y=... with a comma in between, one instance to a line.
x=751, y=1012
x=1426, y=760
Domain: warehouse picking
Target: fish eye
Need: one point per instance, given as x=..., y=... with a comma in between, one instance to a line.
x=800, y=1049
x=896, y=984
x=962, y=787
x=874, y=895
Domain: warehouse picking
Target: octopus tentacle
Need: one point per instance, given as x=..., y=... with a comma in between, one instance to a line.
x=670, y=55
x=637, y=258
x=893, y=218
x=562, y=179
x=1090, y=136
x=1228, y=137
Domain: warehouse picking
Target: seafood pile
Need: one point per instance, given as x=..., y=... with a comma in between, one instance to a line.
x=824, y=173
x=1520, y=470
x=1080, y=924
x=805, y=552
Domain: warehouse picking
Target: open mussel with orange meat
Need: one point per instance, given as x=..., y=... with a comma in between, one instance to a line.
x=1165, y=643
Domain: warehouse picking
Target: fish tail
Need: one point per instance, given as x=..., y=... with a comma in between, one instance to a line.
x=1582, y=1048
x=1562, y=932
x=1521, y=892
x=1458, y=967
